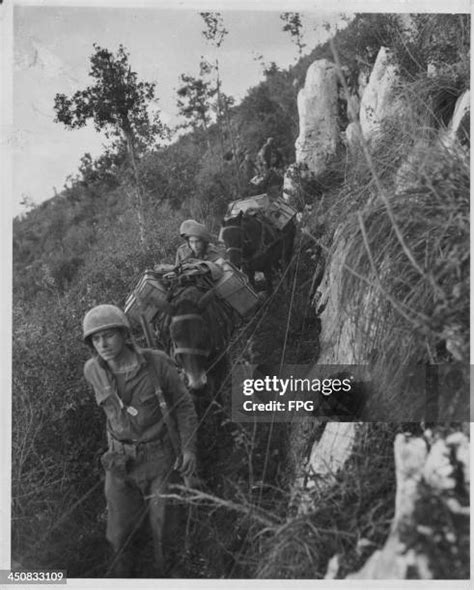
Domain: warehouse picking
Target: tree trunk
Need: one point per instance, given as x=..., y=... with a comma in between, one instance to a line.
x=138, y=188
x=229, y=128
x=219, y=122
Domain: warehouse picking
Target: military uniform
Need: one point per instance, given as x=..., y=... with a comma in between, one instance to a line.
x=185, y=253
x=140, y=458
x=269, y=156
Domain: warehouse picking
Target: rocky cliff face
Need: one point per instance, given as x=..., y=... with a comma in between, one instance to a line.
x=318, y=140
x=381, y=97
x=428, y=469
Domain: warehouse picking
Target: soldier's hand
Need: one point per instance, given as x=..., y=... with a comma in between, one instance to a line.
x=188, y=464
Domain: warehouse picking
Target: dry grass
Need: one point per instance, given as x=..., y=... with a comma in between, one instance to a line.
x=359, y=506
x=419, y=289
x=406, y=282
x=53, y=518
x=405, y=212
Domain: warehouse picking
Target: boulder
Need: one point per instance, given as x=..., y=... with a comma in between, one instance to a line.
x=318, y=140
x=425, y=469
x=380, y=99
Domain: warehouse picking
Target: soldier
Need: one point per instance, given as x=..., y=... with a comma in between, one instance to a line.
x=269, y=157
x=247, y=168
x=136, y=388
x=198, y=243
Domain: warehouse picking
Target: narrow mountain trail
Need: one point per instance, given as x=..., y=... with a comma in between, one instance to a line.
x=243, y=466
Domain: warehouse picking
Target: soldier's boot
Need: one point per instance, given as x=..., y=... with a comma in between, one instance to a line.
x=122, y=565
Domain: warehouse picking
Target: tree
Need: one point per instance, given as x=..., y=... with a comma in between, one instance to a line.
x=193, y=100
x=119, y=105
x=27, y=202
x=215, y=30
x=105, y=169
x=293, y=25
x=215, y=33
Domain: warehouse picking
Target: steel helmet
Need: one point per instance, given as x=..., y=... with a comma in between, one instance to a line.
x=103, y=317
x=190, y=227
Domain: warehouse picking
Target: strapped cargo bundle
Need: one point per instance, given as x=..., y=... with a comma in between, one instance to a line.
x=148, y=297
x=277, y=211
x=235, y=288
x=151, y=294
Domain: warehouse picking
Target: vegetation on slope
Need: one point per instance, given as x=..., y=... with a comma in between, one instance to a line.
x=81, y=248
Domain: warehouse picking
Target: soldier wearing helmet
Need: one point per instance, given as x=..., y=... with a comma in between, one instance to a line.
x=140, y=457
x=198, y=243
x=269, y=157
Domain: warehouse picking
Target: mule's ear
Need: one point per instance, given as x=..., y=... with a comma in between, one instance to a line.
x=205, y=299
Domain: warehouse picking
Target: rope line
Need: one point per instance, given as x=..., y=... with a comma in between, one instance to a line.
x=262, y=311
x=285, y=342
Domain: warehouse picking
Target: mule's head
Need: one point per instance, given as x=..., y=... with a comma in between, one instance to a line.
x=191, y=335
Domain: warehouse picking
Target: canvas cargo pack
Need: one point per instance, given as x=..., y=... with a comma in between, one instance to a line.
x=277, y=211
x=235, y=288
x=150, y=294
x=151, y=291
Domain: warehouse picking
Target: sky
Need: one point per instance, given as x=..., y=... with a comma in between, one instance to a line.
x=51, y=50
x=52, y=41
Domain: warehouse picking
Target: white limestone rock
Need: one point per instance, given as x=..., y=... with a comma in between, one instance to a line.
x=419, y=468
x=318, y=140
x=380, y=99
x=328, y=456
x=334, y=448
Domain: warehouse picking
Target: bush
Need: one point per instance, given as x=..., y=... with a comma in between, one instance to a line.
x=57, y=428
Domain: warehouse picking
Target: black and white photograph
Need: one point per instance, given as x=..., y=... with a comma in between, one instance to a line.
x=236, y=302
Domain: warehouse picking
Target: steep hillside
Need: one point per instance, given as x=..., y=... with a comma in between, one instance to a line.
x=374, y=131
